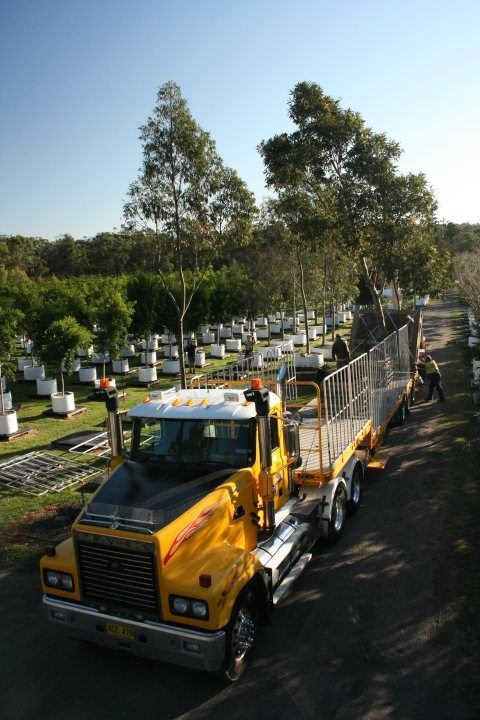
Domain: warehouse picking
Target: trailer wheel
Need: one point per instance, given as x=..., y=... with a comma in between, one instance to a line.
x=338, y=516
x=355, y=490
x=240, y=636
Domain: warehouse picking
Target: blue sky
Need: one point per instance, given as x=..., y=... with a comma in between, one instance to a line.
x=79, y=77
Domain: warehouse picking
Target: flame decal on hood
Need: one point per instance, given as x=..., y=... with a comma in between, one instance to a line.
x=186, y=533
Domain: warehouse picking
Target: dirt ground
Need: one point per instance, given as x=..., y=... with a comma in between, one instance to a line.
x=372, y=630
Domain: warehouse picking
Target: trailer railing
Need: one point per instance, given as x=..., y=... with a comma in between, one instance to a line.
x=356, y=401
x=265, y=365
x=349, y=408
x=389, y=366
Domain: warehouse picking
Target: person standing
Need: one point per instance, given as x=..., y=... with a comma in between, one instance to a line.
x=191, y=350
x=340, y=351
x=249, y=346
x=434, y=379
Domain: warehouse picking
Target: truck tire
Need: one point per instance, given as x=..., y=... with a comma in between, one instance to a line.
x=240, y=636
x=355, y=490
x=338, y=516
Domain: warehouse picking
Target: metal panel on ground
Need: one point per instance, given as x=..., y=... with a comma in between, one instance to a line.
x=40, y=472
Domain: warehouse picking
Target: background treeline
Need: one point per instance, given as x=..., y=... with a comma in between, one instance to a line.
x=113, y=254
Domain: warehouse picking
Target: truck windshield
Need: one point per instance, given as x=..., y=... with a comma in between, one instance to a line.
x=221, y=442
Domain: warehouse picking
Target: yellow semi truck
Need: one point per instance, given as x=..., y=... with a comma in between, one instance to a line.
x=226, y=487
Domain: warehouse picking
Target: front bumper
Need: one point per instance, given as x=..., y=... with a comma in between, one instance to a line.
x=190, y=648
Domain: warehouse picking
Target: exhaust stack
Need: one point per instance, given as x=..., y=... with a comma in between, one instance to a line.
x=114, y=429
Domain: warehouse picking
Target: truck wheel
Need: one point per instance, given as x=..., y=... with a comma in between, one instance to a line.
x=240, y=636
x=355, y=491
x=339, y=512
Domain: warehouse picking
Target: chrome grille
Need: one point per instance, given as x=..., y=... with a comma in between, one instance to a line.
x=118, y=573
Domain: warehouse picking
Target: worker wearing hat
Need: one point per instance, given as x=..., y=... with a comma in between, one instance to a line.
x=340, y=351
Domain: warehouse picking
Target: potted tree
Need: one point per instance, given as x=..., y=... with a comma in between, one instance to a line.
x=59, y=346
x=8, y=416
x=148, y=300
x=113, y=316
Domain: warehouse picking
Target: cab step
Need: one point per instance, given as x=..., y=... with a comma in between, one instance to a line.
x=289, y=579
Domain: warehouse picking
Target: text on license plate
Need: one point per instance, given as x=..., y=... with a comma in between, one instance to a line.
x=120, y=631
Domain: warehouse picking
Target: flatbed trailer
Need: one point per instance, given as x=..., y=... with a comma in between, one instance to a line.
x=350, y=409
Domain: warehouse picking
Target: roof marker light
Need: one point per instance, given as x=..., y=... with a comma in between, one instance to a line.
x=231, y=397
x=257, y=384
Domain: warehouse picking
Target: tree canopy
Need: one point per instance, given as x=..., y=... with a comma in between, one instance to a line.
x=194, y=204
x=339, y=174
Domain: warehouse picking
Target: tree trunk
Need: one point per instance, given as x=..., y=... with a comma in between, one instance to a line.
x=376, y=298
x=304, y=302
x=181, y=353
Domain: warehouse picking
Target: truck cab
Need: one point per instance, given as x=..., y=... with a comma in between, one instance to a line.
x=164, y=559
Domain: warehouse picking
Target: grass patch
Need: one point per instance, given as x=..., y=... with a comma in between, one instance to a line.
x=17, y=547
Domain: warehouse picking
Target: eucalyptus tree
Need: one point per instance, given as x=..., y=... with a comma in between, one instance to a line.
x=458, y=237
x=296, y=228
x=331, y=277
x=349, y=175
x=467, y=274
x=194, y=204
x=65, y=257
x=109, y=254
x=264, y=281
x=228, y=288
x=406, y=252
x=18, y=252
x=144, y=250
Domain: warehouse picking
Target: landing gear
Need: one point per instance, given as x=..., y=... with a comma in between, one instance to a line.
x=400, y=416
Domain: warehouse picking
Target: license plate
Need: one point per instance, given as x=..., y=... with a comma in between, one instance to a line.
x=120, y=631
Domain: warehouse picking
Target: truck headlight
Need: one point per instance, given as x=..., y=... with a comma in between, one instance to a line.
x=180, y=605
x=200, y=609
x=55, y=579
x=188, y=607
x=66, y=581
